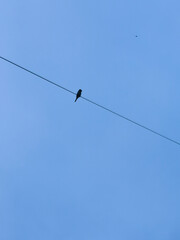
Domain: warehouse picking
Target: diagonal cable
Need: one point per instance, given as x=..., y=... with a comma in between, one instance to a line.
x=92, y=102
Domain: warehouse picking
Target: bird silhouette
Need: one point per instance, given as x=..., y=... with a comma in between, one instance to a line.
x=78, y=94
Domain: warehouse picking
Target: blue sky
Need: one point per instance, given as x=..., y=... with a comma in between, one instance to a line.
x=74, y=171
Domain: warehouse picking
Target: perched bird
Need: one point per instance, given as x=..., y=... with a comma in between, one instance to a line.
x=78, y=94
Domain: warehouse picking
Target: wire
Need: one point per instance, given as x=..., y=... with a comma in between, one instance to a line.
x=129, y=120
x=90, y=101
x=37, y=75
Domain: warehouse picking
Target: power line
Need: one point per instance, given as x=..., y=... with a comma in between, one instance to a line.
x=129, y=120
x=92, y=102
x=37, y=75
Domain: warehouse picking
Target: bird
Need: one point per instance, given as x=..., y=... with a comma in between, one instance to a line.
x=78, y=94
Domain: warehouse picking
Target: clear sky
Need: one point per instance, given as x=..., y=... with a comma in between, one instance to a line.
x=73, y=171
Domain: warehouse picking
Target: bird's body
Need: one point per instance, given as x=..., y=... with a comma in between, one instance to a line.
x=78, y=94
